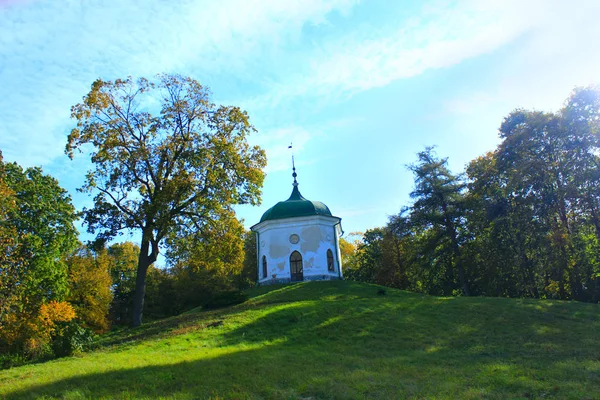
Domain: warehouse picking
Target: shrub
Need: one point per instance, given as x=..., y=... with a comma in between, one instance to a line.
x=43, y=328
x=30, y=333
x=10, y=360
x=225, y=299
x=70, y=338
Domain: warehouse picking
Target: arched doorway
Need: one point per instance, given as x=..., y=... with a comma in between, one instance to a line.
x=296, y=267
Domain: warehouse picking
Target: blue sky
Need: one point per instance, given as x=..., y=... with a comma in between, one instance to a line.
x=359, y=86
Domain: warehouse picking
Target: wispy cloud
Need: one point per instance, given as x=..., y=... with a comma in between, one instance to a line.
x=50, y=52
x=6, y=3
x=276, y=142
x=439, y=37
x=556, y=56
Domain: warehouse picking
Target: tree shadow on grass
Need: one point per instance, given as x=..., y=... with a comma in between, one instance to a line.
x=198, y=318
x=425, y=347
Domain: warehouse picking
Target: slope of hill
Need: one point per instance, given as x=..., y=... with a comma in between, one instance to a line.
x=327, y=340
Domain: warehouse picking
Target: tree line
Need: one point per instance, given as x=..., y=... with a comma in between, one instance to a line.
x=167, y=164
x=56, y=293
x=520, y=221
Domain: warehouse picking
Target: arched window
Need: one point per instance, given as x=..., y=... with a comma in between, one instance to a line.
x=330, y=260
x=296, y=270
x=264, y=271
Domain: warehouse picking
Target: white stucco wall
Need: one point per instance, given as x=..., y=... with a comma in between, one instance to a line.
x=317, y=234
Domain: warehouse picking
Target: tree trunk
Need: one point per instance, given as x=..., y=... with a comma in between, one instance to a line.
x=526, y=266
x=561, y=287
x=144, y=261
x=401, y=267
x=450, y=228
x=463, y=279
x=458, y=263
x=594, y=213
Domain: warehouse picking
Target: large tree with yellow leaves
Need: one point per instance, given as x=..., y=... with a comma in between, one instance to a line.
x=165, y=159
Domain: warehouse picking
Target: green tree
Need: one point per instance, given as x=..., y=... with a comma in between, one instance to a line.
x=12, y=251
x=250, y=266
x=533, y=203
x=206, y=262
x=164, y=172
x=532, y=156
x=396, y=250
x=581, y=116
x=44, y=218
x=366, y=264
x=123, y=261
x=551, y=161
x=36, y=234
x=507, y=236
x=527, y=224
x=438, y=207
x=162, y=296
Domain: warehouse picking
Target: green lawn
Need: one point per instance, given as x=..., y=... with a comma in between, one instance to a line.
x=328, y=340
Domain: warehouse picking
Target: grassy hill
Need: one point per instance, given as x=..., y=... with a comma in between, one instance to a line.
x=327, y=340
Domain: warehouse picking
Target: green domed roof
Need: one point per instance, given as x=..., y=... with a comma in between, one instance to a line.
x=295, y=206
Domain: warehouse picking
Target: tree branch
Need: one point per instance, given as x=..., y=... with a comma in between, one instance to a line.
x=123, y=209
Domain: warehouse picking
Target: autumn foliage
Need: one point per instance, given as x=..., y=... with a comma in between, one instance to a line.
x=162, y=170
x=45, y=325
x=31, y=333
x=90, y=288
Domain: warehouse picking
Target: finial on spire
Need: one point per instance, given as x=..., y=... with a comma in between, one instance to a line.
x=294, y=174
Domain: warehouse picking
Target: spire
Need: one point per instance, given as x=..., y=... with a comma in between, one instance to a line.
x=295, y=192
x=294, y=174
